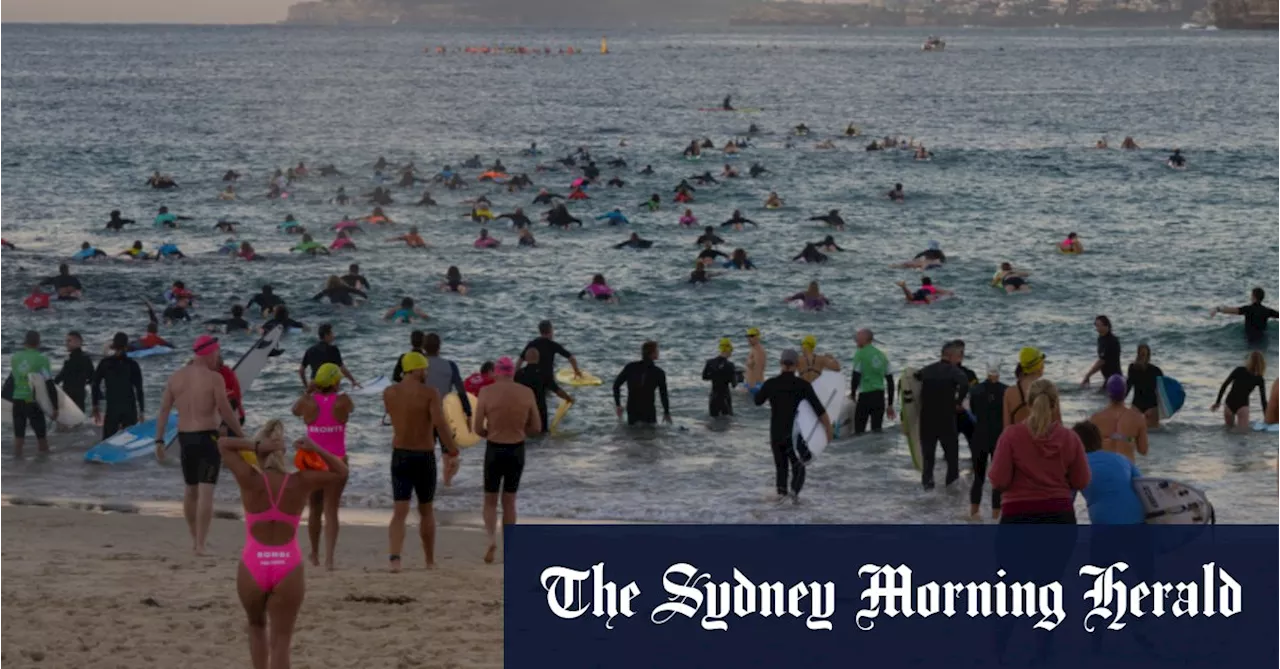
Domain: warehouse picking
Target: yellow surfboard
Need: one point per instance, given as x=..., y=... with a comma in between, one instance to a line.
x=560, y=412
x=566, y=377
x=462, y=434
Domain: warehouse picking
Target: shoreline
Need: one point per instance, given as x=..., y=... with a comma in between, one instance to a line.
x=98, y=589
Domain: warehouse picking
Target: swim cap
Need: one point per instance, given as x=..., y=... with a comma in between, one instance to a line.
x=504, y=367
x=328, y=376
x=1030, y=360
x=1116, y=387
x=726, y=346
x=993, y=367
x=934, y=245
x=810, y=342
x=753, y=332
x=205, y=345
x=412, y=361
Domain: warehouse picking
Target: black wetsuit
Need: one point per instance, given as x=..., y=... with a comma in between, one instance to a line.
x=708, y=237
x=1142, y=381
x=986, y=400
x=547, y=349
x=122, y=380
x=1255, y=321
x=943, y=387
x=738, y=220
x=287, y=324
x=546, y=198
x=340, y=295
x=319, y=354
x=723, y=375
x=784, y=393
x=517, y=220
x=635, y=244
x=591, y=172
x=616, y=182
x=398, y=372
x=1109, y=354
x=648, y=169
x=561, y=217
x=426, y=201
x=176, y=313
x=229, y=325
x=62, y=281
x=711, y=254
x=117, y=223
x=356, y=281
x=935, y=256
x=643, y=378
x=75, y=375
x=1242, y=383
x=265, y=301
x=531, y=377
x=705, y=179
x=811, y=254
x=832, y=218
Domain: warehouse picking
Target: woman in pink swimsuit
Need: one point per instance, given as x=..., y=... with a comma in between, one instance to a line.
x=270, y=578
x=325, y=411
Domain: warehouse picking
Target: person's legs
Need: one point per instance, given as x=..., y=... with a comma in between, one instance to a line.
x=928, y=453
x=1153, y=417
x=1228, y=417
x=875, y=406
x=19, y=416
x=190, y=502
x=204, y=514
x=780, y=467
x=1242, y=420
x=282, y=609
x=315, y=517
x=36, y=419
x=395, y=532
x=332, y=500
x=951, y=451
x=254, y=602
x=861, y=414
x=492, y=484
x=797, y=472
x=427, y=531
x=425, y=486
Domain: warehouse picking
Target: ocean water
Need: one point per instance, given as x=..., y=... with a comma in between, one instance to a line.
x=89, y=112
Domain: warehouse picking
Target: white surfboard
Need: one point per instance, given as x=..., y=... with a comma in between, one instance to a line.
x=1169, y=502
x=830, y=387
x=909, y=413
x=251, y=364
x=374, y=386
x=69, y=415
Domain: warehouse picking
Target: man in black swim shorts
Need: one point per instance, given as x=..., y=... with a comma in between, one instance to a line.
x=506, y=412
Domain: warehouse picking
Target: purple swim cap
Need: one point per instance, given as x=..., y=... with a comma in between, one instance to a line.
x=1116, y=387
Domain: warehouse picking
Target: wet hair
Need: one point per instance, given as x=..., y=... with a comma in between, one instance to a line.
x=649, y=350
x=1259, y=294
x=333, y=282
x=64, y=268
x=32, y=338
x=1256, y=364
x=416, y=337
x=1143, y=356
x=432, y=344
x=1104, y=320
x=1089, y=435
x=237, y=311
x=1042, y=398
x=324, y=330
x=812, y=290
x=153, y=328
x=281, y=312
x=739, y=256
x=353, y=268
x=266, y=290
x=545, y=328
x=406, y=303
x=75, y=335
x=1008, y=267
x=120, y=342
x=487, y=367
x=598, y=279
x=453, y=274
x=926, y=281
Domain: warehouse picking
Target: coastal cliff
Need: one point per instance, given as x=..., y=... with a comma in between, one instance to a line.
x=1245, y=14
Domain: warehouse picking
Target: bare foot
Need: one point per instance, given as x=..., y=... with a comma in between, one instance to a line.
x=315, y=559
x=431, y=565
x=328, y=565
x=488, y=554
x=395, y=565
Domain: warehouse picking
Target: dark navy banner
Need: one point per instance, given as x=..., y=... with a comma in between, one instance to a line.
x=1145, y=597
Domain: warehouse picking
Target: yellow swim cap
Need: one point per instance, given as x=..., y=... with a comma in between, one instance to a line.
x=810, y=342
x=726, y=345
x=412, y=361
x=328, y=376
x=753, y=332
x=1030, y=360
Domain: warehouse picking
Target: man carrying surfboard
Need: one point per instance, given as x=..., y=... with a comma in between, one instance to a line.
x=26, y=411
x=784, y=393
x=548, y=348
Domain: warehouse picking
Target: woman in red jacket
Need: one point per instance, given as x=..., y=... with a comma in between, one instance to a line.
x=1039, y=464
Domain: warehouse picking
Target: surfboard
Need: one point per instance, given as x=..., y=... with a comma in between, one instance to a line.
x=908, y=397
x=560, y=412
x=69, y=415
x=251, y=364
x=132, y=442
x=1171, y=396
x=373, y=387
x=566, y=377
x=1169, y=502
x=148, y=352
x=458, y=423
x=830, y=388
x=1261, y=426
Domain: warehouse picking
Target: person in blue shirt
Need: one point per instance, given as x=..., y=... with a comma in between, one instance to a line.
x=167, y=251
x=615, y=217
x=164, y=219
x=1110, y=494
x=87, y=252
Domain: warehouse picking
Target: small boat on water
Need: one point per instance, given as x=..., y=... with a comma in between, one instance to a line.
x=1193, y=26
x=933, y=43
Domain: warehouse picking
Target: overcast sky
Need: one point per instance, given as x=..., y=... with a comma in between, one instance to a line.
x=145, y=11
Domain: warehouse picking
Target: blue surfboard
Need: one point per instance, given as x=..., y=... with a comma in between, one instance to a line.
x=1171, y=396
x=148, y=352
x=133, y=442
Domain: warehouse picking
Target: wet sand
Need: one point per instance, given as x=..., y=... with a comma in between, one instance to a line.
x=122, y=590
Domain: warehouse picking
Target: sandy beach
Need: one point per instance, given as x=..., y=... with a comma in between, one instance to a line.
x=122, y=590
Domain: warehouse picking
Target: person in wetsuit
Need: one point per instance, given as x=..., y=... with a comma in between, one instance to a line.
x=616, y=182
x=1177, y=159
x=634, y=242
x=708, y=236
x=1256, y=315
x=757, y=169
x=77, y=370
x=117, y=223
x=338, y=292
x=266, y=300
x=831, y=218
x=647, y=171
x=739, y=260
x=1241, y=382
x=943, y=387
x=723, y=375
x=559, y=216
x=810, y=254
x=784, y=393
x=737, y=219
x=708, y=254
x=517, y=218
x=354, y=279
x=280, y=319
x=236, y=323
x=545, y=348
x=1108, y=361
x=726, y=104
x=426, y=200
x=986, y=401
x=704, y=178
x=615, y=217
x=897, y=194
x=643, y=378
x=1141, y=381
x=88, y=252
x=121, y=378
x=828, y=243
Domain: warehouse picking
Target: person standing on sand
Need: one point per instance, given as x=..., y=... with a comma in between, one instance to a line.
x=506, y=412
x=753, y=375
x=325, y=411
x=1123, y=429
x=270, y=579
x=784, y=393
x=417, y=418
x=200, y=397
